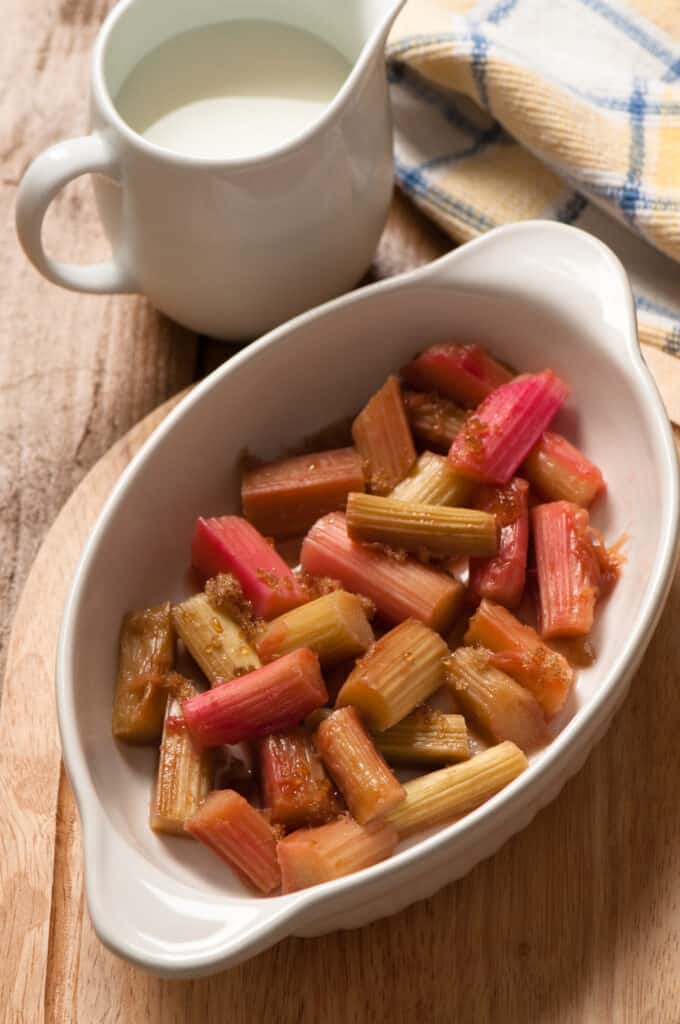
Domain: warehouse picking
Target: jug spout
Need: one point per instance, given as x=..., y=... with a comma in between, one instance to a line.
x=378, y=16
x=357, y=28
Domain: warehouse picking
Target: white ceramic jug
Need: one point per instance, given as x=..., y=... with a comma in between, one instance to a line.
x=228, y=247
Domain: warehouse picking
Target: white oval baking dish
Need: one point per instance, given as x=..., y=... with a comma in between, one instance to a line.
x=537, y=294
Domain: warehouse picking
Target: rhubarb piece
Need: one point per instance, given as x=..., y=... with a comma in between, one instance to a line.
x=383, y=437
x=270, y=699
x=430, y=529
x=185, y=777
x=449, y=793
x=568, y=569
x=560, y=472
x=499, y=435
x=334, y=626
x=502, y=577
x=240, y=835
x=225, y=594
x=465, y=373
x=499, y=707
x=314, y=855
x=426, y=736
x=214, y=641
x=232, y=545
x=519, y=651
x=399, y=587
x=147, y=654
x=295, y=786
x=399, y=672
x=361, y=773
x=432, y=482
x=283, y=499
x=434, y=420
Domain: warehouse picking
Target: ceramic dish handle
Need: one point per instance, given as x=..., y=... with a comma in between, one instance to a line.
x=181, y=932
x=46, y=176
x=545, y=262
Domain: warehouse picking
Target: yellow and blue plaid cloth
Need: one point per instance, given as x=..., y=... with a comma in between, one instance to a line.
x=563, y=109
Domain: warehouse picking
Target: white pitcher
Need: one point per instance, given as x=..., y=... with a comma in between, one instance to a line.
x=228, y=247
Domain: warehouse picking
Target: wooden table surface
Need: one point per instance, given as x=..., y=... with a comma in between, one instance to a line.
x=577, y=919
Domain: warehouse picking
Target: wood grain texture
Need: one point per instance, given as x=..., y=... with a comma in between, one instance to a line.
x=76, y=371
x=575, y=919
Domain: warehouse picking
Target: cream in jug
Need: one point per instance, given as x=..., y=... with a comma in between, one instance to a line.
x=232, y=90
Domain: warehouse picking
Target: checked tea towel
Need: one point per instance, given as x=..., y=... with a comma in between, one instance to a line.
x=564, y=109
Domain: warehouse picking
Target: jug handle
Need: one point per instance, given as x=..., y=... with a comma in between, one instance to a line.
x=45, y=177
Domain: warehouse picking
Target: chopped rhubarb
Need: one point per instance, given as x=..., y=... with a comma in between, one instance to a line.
x=335, y=626
x=230, y=544
x=361, y=773
x=283, y=499
x=431, y=481
x=568, y=569
x=436, y=530
x=519, y=651
x=499, y=435
x=295, y=786
x=399, y=586
x=240, y=835
x=434, y=420
x=465, y=373
x=383, y=437
x=499, y=707
x=402, y=669
x=270, y=699
x=215, y=642
x=147, y=654
x=313, y=855
x=451, y=792
x=560, y=472
x=185, y=777
x=501, y=577
x=426, y=736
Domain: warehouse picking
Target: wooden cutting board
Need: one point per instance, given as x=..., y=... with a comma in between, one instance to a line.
x=576, y=919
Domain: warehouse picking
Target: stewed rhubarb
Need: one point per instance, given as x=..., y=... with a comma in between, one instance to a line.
x=314, y=695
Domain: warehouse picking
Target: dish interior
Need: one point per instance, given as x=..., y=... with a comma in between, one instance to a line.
x=270, y=400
